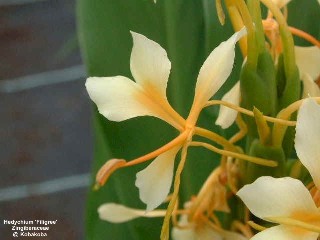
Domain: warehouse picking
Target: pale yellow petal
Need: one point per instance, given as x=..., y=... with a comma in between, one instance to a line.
x=285, y=233
x=310, y=88
x=154, y=182
x=216, y=69
x=227, y=116
x=118, y=98
x=116, y=213
x=149, y=64
x=308, y=60
x=276, y=197
x=307, y=140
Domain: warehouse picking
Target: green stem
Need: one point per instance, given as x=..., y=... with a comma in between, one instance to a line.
x=252, y=54
x=286, y=37
x=255, y=10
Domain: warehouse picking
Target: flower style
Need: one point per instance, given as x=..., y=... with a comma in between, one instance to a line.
x=307, y=60
x=287, y=201
x=118, y=99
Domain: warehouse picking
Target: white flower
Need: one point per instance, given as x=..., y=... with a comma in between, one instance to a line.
x=287, y=201
x=118, y=98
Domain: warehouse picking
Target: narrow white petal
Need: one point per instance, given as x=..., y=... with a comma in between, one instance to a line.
x=310, y=88
x=276, y=197
x=154, y=181
x=149, y=64
x=281, y=3
x=227, y=116
x=308, y=59
x=285, y=233
x=307, y=140
x=118, y=98
x=216, y=69
x=116, y=213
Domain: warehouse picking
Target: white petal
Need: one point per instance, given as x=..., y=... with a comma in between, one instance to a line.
x=116, y=213
x=281, y=3
x=285, y=233
x=308, y=60
x=307, y=140
x=227, y=116
x=154, y=181
x=276, y=197
x=216, y=69
x=118, y=98
x=149, y=64
x=310, y=88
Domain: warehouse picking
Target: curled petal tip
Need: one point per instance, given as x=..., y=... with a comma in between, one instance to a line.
x=106, y=170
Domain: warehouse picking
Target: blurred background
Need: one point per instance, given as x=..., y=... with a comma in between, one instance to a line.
x=45, y=135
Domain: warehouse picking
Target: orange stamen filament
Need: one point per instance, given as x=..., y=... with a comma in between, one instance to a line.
x=176, y=141
x=305, y=36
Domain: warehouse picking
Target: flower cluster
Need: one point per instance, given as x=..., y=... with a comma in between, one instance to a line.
x=255, y=174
